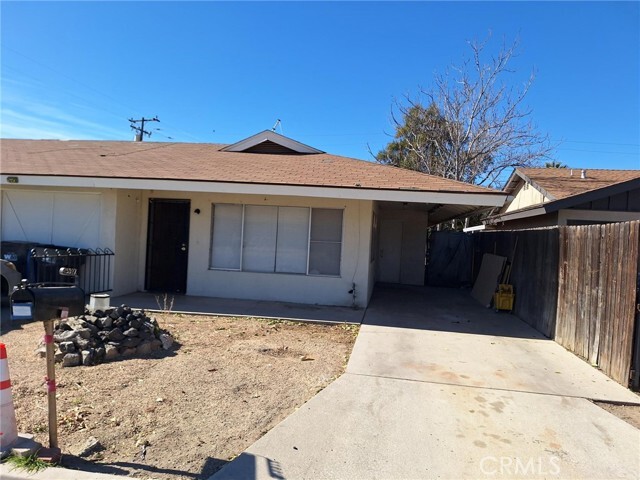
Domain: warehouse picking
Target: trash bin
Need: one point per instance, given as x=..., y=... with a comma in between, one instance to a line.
x=44, y=262
x=39, y=262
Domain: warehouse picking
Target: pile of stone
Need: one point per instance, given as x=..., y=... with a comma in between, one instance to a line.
x=103, y=336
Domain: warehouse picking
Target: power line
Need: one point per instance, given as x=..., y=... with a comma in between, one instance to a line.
x=597, y=151
x=602, y=143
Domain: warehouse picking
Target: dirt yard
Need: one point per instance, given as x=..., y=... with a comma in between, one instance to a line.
x=182, y=413
x=628, y=413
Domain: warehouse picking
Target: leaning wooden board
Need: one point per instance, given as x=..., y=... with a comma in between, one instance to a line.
x=488, y=278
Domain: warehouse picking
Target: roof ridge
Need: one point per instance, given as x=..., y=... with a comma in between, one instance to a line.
x=2, y=139
x=582, y=168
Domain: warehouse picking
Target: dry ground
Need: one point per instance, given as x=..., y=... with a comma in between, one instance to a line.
x=228, y=381
x=628, y=413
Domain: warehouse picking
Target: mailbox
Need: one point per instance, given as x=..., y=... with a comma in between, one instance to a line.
x=46, y=301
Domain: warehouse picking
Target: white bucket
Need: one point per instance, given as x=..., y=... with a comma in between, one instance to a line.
x=99, y=301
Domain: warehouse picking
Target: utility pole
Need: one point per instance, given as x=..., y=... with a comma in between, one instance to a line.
x=140, y=131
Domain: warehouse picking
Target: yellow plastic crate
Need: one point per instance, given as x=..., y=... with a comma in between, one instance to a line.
x=503, y=298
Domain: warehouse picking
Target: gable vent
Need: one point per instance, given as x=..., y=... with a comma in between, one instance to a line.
x=269, y=141
x=271, y=147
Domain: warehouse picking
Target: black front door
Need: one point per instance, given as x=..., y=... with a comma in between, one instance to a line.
x=167, y=245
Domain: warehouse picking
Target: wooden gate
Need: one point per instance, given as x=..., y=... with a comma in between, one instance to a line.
x=597, y=294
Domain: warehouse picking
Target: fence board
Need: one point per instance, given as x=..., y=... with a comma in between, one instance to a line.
x=619, y=317
x=572, y=291
x=562, y=286
x=600, y=311
x=582, y=292
x=605, y=320
x=594, y=306
x=613, y=299
x=588, y=293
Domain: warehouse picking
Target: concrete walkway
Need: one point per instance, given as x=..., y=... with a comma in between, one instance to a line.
x=188, y=304
x=438, y=387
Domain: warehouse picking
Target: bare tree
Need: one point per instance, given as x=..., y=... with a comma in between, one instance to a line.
x=475, y=125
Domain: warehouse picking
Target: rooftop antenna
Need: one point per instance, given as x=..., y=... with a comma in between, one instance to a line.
x=278, y=123
x=140, y=131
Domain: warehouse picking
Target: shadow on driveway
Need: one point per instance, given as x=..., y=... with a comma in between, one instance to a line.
x=441, y=309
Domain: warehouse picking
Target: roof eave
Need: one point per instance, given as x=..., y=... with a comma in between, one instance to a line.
x=567, y=202
x=479, y=199
x=515, y=215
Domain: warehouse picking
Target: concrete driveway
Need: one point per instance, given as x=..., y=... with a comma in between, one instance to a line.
x=439, y=387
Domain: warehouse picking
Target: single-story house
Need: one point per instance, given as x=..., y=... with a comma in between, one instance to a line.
x=542, y=197
x=267, y=218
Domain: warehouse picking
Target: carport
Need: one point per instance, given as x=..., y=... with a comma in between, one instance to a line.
x=399, y=236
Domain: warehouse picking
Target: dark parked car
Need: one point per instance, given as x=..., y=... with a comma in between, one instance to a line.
x=10, y=277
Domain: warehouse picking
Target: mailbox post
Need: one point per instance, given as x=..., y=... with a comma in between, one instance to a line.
x=47, y=302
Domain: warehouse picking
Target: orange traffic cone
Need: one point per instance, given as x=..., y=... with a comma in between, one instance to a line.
x=8, y=427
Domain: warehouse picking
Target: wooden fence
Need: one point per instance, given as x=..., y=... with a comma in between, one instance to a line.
x=596, y=308
x=577, y=285
x=533, y=255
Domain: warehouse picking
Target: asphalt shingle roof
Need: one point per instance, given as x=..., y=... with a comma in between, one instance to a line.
x=205, y=162
x=560, y=183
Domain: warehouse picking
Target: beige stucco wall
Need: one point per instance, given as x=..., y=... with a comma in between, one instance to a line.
x=103, y=234
x=203, y=281
x=123, y=229
x=38, y=225
x=373, y=262
x=525, y=197
x=127, y=223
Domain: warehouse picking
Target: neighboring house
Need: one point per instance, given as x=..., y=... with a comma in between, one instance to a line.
x=267, y=218
x=541, y=197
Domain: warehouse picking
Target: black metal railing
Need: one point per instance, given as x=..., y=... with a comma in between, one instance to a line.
x=91, y=267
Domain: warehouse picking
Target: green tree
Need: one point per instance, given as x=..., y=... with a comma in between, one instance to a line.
x=418, y=140
x=554, y=164
x=473, y=127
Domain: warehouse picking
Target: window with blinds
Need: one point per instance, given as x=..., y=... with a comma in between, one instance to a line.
x=275, y=239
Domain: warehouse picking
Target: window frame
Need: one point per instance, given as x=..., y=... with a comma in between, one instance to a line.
x=242, y=232
x=341, y=243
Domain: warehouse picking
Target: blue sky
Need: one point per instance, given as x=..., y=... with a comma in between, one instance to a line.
x=219, y=72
